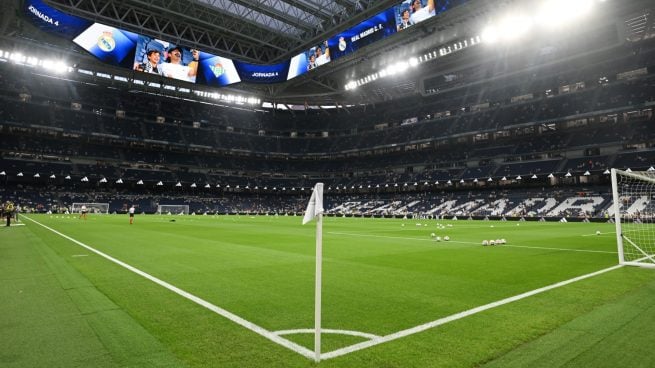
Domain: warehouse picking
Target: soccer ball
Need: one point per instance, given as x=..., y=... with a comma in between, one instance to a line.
x=438, y=238
x=446, y=238
x=485, y=243
x=597, y=232
x=433, y=235
x=503, y=241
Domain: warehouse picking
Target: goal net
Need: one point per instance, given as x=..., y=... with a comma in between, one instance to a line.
x=173, y=209
x=634, y=209
x=90, y=207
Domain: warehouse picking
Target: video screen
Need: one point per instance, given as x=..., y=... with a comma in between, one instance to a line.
x=312, y=58
x=109, y=44
x=217, y=71
x=166, y=59
x=411, y=12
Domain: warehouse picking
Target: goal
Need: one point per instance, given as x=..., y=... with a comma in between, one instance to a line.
x=173, y=209
x=90, y=207
x=634, y=209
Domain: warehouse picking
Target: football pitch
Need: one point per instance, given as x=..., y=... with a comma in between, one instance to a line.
x=238, y=291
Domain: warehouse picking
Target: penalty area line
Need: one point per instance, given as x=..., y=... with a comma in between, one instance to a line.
x=218, y=310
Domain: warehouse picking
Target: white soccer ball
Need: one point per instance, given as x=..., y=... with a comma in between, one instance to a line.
x=597, y=232
x=433, y=235
x=485, y=243
x=503, y=241
x=438, y=238
x=492, y=242
x=446, y=238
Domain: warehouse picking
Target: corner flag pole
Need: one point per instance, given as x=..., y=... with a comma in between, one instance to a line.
x=315, y=210
x=317, y=293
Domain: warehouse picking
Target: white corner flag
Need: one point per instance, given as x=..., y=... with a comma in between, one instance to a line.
x=315, y=210
x=315, y=205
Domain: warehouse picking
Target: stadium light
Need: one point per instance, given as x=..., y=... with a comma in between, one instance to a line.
x=514, y=27
x=555, y=13
x=490, y=35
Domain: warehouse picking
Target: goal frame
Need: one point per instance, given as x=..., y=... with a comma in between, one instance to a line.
x=76, y=207
x=618, y=221
x=160, y=212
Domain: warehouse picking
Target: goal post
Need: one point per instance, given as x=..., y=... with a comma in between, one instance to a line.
x=90, y=207
x=173, y=209
x=633, y=195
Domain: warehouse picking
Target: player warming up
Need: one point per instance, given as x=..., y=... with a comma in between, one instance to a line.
x=83, y=212
x=131, y=212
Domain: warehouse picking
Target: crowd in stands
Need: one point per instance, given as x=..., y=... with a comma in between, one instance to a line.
x=566, y=120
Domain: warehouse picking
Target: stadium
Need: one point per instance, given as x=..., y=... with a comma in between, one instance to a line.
x=327, y=183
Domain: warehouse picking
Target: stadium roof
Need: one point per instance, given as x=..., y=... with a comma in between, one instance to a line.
x=271, y=31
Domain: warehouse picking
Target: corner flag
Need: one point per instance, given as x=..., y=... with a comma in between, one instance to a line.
x=315, y=205
x=315, y=210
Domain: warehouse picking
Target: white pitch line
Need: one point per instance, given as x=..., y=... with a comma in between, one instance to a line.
x=218, y=310
x=328, y=331
x=472, y=243
x=454, y=317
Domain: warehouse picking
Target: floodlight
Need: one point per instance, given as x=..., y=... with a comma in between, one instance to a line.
x=490, y=34
x=554, y=13
x=413, y=61
x=514, y=27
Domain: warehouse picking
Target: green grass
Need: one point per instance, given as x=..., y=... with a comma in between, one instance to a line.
x=379, y=277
